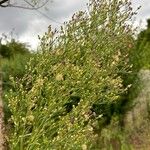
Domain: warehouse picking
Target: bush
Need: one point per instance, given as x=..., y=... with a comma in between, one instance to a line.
x=74, y=80
x=5, y=51
x=14, y=56
x=14, y=67
x=141, y=53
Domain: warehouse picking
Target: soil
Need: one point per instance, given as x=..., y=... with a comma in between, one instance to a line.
x=137, y=120
x=2, y=131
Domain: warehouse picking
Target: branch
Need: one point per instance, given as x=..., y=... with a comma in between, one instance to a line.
x=33, y=7
x=23, y=7
x=2, y=2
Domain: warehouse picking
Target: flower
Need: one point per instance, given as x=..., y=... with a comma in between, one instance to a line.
x=30, y=118
x=84, y=147
x=59, y=77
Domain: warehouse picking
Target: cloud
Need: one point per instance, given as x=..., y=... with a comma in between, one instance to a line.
x=13, y=18
x=143, y=13
x=62, y=9
x=29, y=23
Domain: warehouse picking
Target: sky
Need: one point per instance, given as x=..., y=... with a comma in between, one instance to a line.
x=26, y=25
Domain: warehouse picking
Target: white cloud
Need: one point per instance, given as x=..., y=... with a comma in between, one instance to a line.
x=143, y=13
x=28, y=24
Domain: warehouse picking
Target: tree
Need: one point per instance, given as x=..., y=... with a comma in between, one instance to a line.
x=142, y=52
x=26, y=4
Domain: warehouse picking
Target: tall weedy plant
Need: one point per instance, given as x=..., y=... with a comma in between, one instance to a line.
x=74, y=80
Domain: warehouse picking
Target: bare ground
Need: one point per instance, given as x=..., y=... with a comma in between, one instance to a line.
x=137, y=120
x=2, y=131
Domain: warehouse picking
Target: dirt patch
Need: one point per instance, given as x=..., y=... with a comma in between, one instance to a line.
x=135, y=117
x=2, y=128
x=140, y=138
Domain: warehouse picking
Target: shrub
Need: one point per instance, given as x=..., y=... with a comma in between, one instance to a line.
x=73, y=81
x=14, y=57
x=14, y=67
x=5, y=51
x=141, y=53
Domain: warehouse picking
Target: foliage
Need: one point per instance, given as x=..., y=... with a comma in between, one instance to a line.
x=13, y=48
x=13, y=67
x=114, y=137
x=14, y=57
x=74, y=83
x=5, y=51
x=141, y=53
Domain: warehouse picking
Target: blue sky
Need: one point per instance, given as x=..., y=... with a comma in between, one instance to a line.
x=27, y=24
